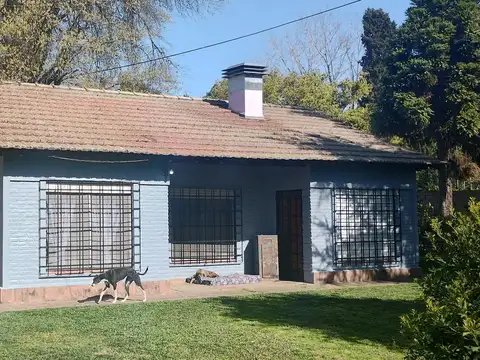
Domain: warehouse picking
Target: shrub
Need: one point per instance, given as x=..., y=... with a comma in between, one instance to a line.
x=425, y=213
x=449, y=325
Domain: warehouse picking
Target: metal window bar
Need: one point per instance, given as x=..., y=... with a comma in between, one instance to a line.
x=366, y=227
x=88, y=227
x=205, y=225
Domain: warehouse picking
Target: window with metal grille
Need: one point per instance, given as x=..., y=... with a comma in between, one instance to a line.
x=205, y=225
x=367, y=227
x=88, y=227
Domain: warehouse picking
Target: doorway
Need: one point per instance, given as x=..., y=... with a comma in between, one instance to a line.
x=290, y=235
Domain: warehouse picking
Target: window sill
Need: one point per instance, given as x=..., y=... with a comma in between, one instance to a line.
x=204, y=265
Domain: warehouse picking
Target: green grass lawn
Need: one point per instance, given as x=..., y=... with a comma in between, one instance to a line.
x=353, y=323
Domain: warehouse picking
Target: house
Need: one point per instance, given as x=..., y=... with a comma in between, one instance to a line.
x=93, y=179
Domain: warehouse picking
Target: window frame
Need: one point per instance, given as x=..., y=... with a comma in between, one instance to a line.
x=393, y=258
x=88, y=188
x=178, y=192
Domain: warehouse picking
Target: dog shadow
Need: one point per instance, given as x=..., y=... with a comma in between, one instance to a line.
x=95, y=298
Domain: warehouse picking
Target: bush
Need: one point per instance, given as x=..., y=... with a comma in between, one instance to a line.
x=425, y=213
x=449, y=326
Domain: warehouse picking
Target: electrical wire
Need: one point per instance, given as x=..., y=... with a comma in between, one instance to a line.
x=226, y=41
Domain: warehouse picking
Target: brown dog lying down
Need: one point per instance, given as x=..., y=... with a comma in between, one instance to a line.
x=201, y=273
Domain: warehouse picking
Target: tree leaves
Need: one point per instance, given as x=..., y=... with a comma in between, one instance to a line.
x=312, y=91
x=449, y=326
x=57, y=41
x=378, y=31
x=430, y=91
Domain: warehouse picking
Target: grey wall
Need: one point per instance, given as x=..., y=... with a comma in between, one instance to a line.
x=328, y=176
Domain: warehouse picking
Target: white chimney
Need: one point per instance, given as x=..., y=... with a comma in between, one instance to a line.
x=245, y=89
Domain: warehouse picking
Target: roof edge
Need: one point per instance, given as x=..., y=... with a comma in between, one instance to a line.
x=424, y=163
x=98, y=90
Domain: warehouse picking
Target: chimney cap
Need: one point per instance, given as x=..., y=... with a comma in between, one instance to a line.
x=249, y=69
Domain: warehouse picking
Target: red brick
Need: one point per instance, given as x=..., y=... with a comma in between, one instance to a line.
x=77, y=292
x=395, y=274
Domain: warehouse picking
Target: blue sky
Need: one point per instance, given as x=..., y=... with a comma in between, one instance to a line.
x=199, y=70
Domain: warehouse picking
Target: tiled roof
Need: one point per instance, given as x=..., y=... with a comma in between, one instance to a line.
x=57, y=118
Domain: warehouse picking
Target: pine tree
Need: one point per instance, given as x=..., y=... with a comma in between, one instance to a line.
x=430, y=95
x=378, y=32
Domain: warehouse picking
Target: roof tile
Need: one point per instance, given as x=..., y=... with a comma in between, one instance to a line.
x=59, y=118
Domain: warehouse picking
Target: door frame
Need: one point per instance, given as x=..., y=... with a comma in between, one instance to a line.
x=295, y=274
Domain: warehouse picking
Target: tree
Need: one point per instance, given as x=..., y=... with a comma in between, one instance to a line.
x=311, y=91
x=58, y=41
x=324, y=45
x=430, y=95
x=378, y=33
x=350, y=92
x=219, y=90
x=448, y=327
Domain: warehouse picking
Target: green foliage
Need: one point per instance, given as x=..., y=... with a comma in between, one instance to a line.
x=378, y=32
x=57, y=41
x=311, y=91
x=425, y=212
x=273, y=87
x=359, y=118
x=449, y=326
x=219, y=90
x=350, y=92
x=432, y=92
x=430, y=95
x=427, y=179
x=153, y=81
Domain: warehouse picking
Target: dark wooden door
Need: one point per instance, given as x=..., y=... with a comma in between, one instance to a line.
x=290, y=235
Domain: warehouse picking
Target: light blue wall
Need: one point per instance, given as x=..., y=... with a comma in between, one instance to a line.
x=21, y=207
x=22, y=173
x=328, y=176
x=258, y=183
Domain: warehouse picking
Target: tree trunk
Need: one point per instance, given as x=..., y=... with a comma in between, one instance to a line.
x=445, y=183
x=446, y=191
